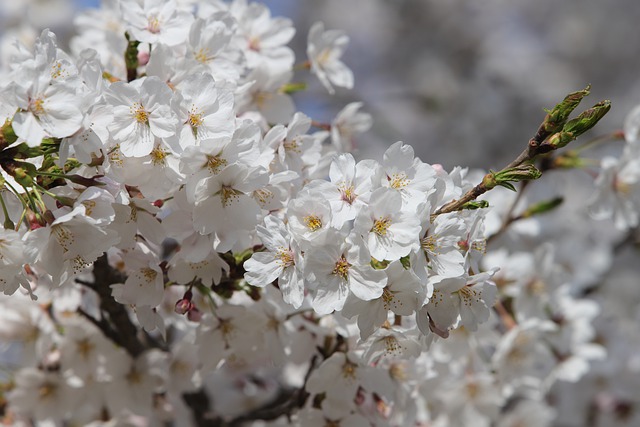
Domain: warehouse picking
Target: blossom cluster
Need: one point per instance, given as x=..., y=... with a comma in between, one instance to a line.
x=181, y=245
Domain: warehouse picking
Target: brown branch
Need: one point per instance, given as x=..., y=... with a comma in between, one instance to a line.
x=284, y=404
x=554, y=132
x=115, y=322
x=116, y=325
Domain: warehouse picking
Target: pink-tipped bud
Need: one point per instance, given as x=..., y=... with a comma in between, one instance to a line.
x=143, y=58
x=183, y=306
x=194, y=314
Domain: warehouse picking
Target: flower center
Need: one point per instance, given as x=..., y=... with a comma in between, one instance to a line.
x=536, y=287
x=153, y=25
x=215, y=163
x=195, y=119
x=79, y=263
x=347, y=193
x=229, y=195
x=398, y=180
x=387, y=298
x=149, y=274
x=36, y=106
x=254, y=44
x=312, y=222
x=202, y=55
x=263, y=196
x=139, y=113
x=158, y=155
x=341, y=268
x=619, y=186
x=285, y=257
x=46, y=390
x=469, y=295
x=292, y=145
x=89, y=205
x=324, y=57
x=226, y=328
x=57, y=70
x=392, y=346
x=428, y=243
x=349, y=370
x=381, y=225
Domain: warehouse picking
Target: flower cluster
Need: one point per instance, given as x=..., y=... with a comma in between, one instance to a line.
x=181, y=245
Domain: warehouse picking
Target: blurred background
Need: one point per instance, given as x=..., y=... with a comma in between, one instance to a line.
x=464, y=82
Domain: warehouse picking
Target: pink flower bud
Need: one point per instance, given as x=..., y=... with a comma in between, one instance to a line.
x=194, y=314
x=143, y=58
x=183, y=306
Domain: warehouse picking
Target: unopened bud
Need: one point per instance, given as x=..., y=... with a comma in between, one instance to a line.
x=143, y=58
x=519, y=173
x=22, y=177
x=8, y=224
x=476, y=204
x=557, y=117
x=183, y=306
x=504, y=178
x=587, y=119
x=34, y=220
x=542, y=207
x=194, y=314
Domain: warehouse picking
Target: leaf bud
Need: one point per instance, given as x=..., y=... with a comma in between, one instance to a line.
x=476, y=204
x=556, y=117
x=519, y=173
x=542, y=207
x=587, y=119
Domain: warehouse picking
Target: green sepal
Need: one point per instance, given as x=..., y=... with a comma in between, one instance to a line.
x=379, y=265
x=508, y=186
x=406, y=262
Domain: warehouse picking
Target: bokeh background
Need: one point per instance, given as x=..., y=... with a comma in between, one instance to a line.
x=465, y=82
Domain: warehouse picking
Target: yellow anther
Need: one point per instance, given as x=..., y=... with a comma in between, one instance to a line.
x=347, y=193
x=229, y=195
x=342, y=268
x=215, y=163
x=36, y=106
x=398, y=180
x=285, y=257
x=349, y=370
x=313, y=222
x=153, y=25
x=139, y=113
x=158, y=155
x=202, y=55
x=380, y=226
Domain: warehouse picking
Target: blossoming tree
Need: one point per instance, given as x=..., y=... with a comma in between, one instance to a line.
x=181, y=246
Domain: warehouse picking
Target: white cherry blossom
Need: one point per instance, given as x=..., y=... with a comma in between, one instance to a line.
x=282, y=261
x=324, y=50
